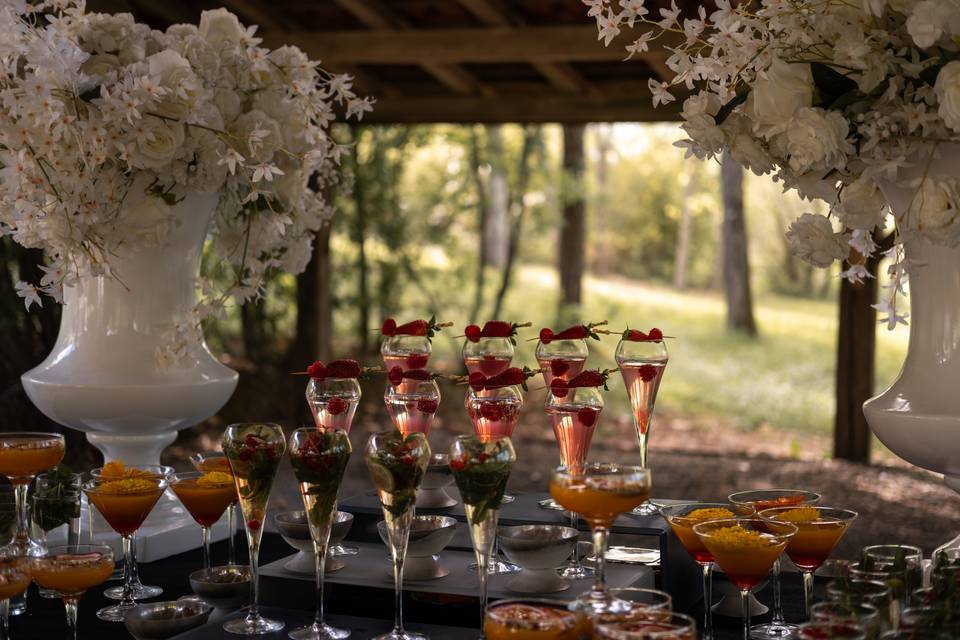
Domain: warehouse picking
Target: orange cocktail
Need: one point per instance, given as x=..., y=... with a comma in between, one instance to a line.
x=206, y=496
x=71, y=570
x=207, y=462
x=24, y=455
x=533, y=620
x=669, y=626
x=14, y=576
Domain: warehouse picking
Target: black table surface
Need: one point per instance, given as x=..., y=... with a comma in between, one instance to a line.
x=44, y=619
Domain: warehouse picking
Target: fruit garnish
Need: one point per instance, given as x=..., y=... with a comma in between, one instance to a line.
x=127, y=485
x=396, y=375
x=417, y=360
x=588, y=416
x=336, y=406
x=559, y=367
x=576, y=332
x=318, y=464
x=710, y=513
x=336, y=369
x=395, y=470
x=635, y=335
x=782, y=501
x=427, y=405
x=739, y=538
x=426, y=328
x=507, y=378
x=586, y=378
x=117, y=469
x=481, y=474
x=214, y=479
x=494, y=329
x=800, y=514
x=647, y=372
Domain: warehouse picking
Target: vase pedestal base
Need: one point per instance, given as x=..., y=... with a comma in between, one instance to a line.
x=132, y=450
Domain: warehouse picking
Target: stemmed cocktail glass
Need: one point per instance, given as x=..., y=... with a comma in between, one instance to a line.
x=319, y=458
x=489, y=350
x=407, y=346
x=682, y=518
x=206, y=496
x=642, y=359
x=745, y=549
x=481, y=469
x=333, y=401
x=668, y=626
x=206, y=462
x=573, y=414
x=70, y=570
x=397, y=464
x=124, y=503
x=22, y=456
x=561, y=358
x=752, y=501
x=534, y=619
x=600, y=492
x=819, y=529
x=254, y=450
x=14, y=580
x=412, y=405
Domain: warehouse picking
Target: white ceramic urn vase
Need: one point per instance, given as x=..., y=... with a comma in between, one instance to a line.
x=103, y=376
x=918, y=417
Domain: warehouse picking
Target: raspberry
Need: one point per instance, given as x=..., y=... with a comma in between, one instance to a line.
x=317, y=370
x=336, y=406
x=655, y=335
x=647, y=372
x=546, y=335
x=253, y=524
x=473, y=333
x=389, y=327
x=559, y=367
x=491, y=412
x=417, y=360
x=458, y=464
x=587, y=416
x=427, y=405
x=395, y=375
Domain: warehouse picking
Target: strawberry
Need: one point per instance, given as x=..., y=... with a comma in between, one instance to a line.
x=576, y=332
x=559, y=387
x=546, y=335
x=417, y=360
x=559, y=367
x=343, y=369
x=647, y=372
x=477, y=380
x=395, y=376
x=497, y=329
x=634, y=335
x=336, y=406
x=490, y=411
x=427, y=405
x=417, y=374
x=507, y=378
x=588, y=416
x=317, y=370
x=414, y=328
x=588, y=378
x=389, y=327
x=473, y=333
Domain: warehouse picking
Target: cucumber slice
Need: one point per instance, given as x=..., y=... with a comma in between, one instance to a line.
x=382, y=476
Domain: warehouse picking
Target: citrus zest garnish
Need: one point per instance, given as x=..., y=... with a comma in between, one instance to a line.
x=214, y=479
x=711, y=513
x=126, y=485
x=801, y=514
x=738, y=538
x=117, y=469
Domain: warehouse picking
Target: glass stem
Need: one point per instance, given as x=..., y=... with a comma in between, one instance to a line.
x=483, y=565
x=126, y=599
x=70, y=606
x=575, y=564
x=642, y=439
x=320, y=558
x=708, y=601
x=231, y=530
x=600, y=538
x=807, y=591
x=5, y=620
x=134, y=571
x=205, y=537
x=777, y=602
x=397, y=593
x=399, y=530
x=745, y=607
x=254, y=613
x=23, y=519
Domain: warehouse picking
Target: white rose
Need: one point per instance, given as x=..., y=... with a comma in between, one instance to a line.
x=100, y=64
x=220, y=28
x=862, y=205
x=266, y=145
x=747, y=151
x=925, y=24
x=289, y=188
x=817, y=138
x=934, y=211
x=812, y=239
x=175, y=74
x=775, y=98
x=947, y=89
x=159, y=144
x=148, y=219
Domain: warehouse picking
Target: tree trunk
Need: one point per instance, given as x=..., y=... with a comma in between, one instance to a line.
x=736, y=265
x=496, y=220
x=573, y=232
x=315, y=305
x=603, y=138
x=680, y=256
x=360, y=238
x=481, y=190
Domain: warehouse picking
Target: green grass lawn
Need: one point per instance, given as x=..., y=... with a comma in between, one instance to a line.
x=784, y=378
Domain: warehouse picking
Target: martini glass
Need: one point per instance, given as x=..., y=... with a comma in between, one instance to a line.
x=117, y=470
x=319, y=459
x=254, y=450
x=206, y=462
x=574, y=419
x=22, y=456
x=600, y=492
x=206, y=496
x=410, y=353
x=70, y=570
x=495, y=413
x=642, y=365
x=745, y=549
x=412, y=404
x=534, y=619
x=397, y=465
x=749, y=502
x=489, y=356
x=14, y=580
x=667, y=626
x=333, y=402
x=561, y=359
x=819, y=529
x=481, y=469
x=124, y=503
x=682, y=518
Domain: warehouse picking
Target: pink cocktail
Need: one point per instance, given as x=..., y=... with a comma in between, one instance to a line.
x=489, y=365
x=642, y=380
x=412, y=405
x=494, y=412
x=573, y=426
x=333, y=399
x=565, y=367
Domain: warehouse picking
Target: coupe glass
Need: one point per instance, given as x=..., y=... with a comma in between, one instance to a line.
x=412, y=405
x=481, y=469
x=574, y=418
x=642, y=365
x=600, y=492
x=489, y=356
x=397, y=465
x=865, y=616
x=254, y=450
x=745, y=549
x=535, y=619
x=667, y=626
x=70, y=570
x=819, y=529
x=124, y=503
x=14, y=580
x=333, y=402
x=117, y=470
x=410, y=353
x=319, y=459
x=206, y=462
x=682, y=518
x=645, y=604
x=206, y=496
x=22, y=456
x=756, y=500
x=54, y=504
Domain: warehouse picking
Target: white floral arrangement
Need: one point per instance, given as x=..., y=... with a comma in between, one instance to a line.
x=833, y=97
x=92, y=104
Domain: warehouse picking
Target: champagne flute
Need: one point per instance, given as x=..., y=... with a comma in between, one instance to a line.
x=481, y=469
x=397, y=464
x=254, y=451
x=70, y=570
x=319, y=459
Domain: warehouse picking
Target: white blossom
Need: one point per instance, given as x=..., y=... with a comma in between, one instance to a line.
x=812, y=239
